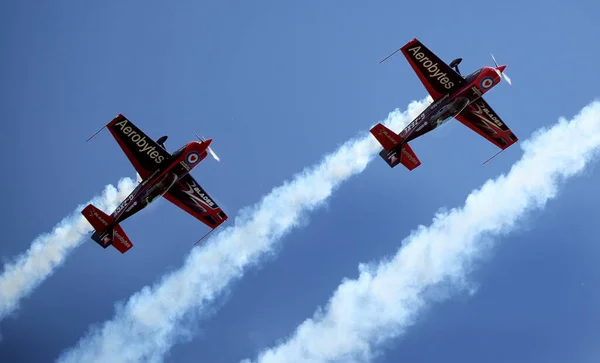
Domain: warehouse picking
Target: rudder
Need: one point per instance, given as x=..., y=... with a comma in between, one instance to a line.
x=407, y=157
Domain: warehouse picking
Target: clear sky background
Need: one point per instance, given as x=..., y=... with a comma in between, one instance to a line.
x=277, y=85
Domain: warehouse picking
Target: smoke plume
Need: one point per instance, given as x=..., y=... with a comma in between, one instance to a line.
x=48, y=251
x=387, y=297
x=146, y=327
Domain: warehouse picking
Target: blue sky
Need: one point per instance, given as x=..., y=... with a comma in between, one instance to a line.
x=277, y=86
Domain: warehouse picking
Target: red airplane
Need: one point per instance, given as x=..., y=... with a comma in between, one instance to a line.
x=453, y=96
x=163, y=174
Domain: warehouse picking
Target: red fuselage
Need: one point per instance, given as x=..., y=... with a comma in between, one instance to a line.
x=449, y=105
x=158, y=183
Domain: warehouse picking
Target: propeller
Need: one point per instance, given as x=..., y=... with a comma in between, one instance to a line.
x=214, y=155
x=501, y=72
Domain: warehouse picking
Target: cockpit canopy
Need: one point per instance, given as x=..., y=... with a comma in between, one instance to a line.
x=161, y=141
x=471, y=77
x=459, y=105
x=177, y=153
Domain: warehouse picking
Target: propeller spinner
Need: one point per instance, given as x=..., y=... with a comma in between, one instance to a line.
x=501, y=71
x=214, y=155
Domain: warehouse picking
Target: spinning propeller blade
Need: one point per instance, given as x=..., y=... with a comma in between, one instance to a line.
x=214, y=155
x=501, y=72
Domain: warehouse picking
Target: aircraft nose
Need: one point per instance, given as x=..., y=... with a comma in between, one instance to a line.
x=206, y=142
x=501, y=68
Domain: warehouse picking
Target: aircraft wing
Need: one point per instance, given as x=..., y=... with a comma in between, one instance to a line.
x=143, y=152
x=437, y=77
x=188, y=195
x=482, y=119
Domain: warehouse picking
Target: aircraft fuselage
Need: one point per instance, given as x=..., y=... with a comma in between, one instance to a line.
x=161, y=180
x=450, y=105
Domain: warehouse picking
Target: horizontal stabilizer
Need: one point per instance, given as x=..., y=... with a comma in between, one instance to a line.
x=403, y=155
x=97, y=218
x=408, y=157
x=120, y=240
x=386, y=137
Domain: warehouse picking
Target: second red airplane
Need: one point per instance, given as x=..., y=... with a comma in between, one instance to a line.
x=453, y=96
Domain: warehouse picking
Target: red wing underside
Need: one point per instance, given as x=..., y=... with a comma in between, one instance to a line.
x=144, y=153
x=482, y=119
x=188, y=195
x=437, y=77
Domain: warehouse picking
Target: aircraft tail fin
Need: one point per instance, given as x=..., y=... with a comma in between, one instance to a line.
x=106, y=232
x=394, y=151
x=401, y=155
x=386, y=137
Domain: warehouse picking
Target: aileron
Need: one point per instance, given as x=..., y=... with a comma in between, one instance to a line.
x=482, y=119
x=188, y=195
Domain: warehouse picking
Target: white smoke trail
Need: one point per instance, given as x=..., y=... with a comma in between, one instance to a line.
x=48, y=251
x=365, y=313
x=147, y=326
